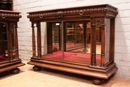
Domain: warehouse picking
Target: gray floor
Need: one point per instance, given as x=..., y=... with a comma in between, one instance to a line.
x=50, y=78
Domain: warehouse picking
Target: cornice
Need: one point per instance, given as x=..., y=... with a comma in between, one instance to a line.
x=74, y=12
x=9, y=14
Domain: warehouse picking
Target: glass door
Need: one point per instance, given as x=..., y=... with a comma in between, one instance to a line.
x=67, y=41
x=74, y=33
x=3, y=42
x=53, y=46
x=77, y=42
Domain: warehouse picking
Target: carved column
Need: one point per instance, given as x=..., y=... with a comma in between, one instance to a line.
x=33, y=40
x=102, y=42
x=112, y=40
x=38, y=40
x=93, y=42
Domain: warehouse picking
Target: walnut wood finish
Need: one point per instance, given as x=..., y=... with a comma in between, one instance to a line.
x=94, y=14
x=13, y=61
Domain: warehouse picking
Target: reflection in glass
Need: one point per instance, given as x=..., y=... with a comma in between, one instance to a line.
x=73, y=37
x=3, y=42
x=98, y=37
x=98, y=41
x=51, y=44
x=56, y=39
x=77, y=39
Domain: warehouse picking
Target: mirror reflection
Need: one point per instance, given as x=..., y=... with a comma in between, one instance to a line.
x=72, y=41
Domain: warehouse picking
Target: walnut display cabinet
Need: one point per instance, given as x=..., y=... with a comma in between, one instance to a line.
x=77, y=40
x=9, y=56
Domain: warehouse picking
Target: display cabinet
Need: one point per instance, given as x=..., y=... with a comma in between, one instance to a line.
x=77, y=40
x=9, y=52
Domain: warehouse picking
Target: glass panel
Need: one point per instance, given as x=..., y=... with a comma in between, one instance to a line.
x=74, y=36
x=13, y=43
x=88, y=36
x=77, y=42
x=44, y=37
x=98, y=37
x=3, y=42
x=56, y=36
x=107, y=39
x=51, y=36
x=98, y=42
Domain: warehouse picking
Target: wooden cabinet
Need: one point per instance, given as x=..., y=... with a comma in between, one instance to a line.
x=9, y=52
x=84, y=42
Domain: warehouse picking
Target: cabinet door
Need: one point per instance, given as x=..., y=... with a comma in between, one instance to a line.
x=3, y=42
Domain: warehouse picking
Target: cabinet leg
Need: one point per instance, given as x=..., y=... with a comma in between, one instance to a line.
x=37, y=68
x=97, y=81
x=15, y=71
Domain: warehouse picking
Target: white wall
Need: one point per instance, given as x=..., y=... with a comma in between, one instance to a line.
x=122, y=34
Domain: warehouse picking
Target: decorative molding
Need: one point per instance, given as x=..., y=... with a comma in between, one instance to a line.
x=4, y=14
x=74, y=12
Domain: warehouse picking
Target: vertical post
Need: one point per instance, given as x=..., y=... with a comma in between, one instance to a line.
x=62, y=39
x=38, y=40
x=33, y=41
x=93, y=42
x=102, y=43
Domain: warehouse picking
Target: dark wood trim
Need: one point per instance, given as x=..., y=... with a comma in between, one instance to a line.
x=33, y=40
x=93, y=42
x=102, y=42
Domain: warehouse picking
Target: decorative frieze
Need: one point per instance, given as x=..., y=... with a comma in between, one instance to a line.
x=6, y=14
x=74, y=12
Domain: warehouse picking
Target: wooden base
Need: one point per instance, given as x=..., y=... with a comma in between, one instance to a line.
x=97, y=72
x=11, y=66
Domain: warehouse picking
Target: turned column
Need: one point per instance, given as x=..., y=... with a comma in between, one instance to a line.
x=102, y=63
x=93, y=42
x=33, y=41
x=38, y=40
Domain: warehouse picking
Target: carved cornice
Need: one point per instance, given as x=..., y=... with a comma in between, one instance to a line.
x=88, y=11
x=6, y=1
x=9, y=14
